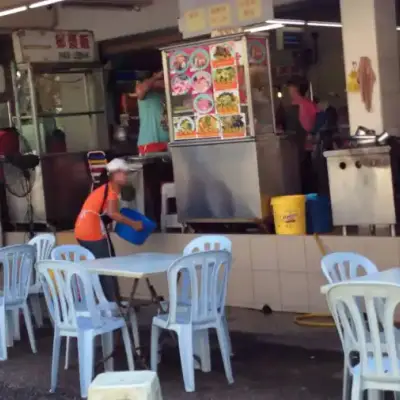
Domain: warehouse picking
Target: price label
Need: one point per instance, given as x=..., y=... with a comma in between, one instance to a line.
x=195, y=20
x=220, y=15
x=249, y=9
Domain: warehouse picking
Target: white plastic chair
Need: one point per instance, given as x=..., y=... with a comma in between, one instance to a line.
x=373, y=337
x=168, y=220
x=75, y=253
x=340, y=267
x=17, y=262
x=191, y=324
x=126, y=385
x=43, y=244
x=59, y=280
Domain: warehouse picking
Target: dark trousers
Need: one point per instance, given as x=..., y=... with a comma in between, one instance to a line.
x=104, y=249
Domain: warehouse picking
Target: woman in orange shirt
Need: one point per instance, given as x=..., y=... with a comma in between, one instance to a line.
x=99, y=210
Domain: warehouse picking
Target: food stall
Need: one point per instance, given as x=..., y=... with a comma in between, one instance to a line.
x=228, y=160
x=60, y=114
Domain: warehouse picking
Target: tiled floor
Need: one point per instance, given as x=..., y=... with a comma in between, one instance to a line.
x=274, y=359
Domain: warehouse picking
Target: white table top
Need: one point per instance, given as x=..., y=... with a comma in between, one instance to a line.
x=137, y=266
x=391, y=275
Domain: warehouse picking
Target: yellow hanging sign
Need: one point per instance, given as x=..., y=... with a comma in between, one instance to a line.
x=195, y=20
x=249, y=10
x=220, y=15
x=353, y=86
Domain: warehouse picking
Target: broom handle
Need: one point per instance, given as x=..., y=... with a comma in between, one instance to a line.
x=320, y=245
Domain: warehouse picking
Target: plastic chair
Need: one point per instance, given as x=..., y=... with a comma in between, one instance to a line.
x=191, y=324
x=17, y=262
x=75, y=253
x=372, y=337
x=339, y=267
x=168, y=220
x=126, y=385
x=59, y=283
x=97, y=162
x=43, y=244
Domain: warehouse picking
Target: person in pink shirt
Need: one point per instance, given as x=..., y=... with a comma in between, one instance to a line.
x=298, y=88
x=306, y=115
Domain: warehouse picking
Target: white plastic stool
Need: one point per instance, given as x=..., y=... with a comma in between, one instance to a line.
x=129, y=385
x=168, y=220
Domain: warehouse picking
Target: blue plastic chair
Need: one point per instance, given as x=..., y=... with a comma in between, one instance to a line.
x=44, y=244
x=206, y=311
x=75, y=253
x=17, y=262
x=59, y=283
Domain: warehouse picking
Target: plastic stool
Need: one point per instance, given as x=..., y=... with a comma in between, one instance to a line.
x=126, y=385
x=168, y=220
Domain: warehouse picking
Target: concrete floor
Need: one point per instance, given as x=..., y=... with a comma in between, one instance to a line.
x=274, y=359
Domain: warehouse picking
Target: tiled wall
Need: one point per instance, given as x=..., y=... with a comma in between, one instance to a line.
x=281, y=271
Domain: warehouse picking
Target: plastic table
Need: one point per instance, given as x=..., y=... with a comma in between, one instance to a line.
x=135, y=266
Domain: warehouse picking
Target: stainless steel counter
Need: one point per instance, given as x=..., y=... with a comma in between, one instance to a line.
x=233, y=180
x=361, y=186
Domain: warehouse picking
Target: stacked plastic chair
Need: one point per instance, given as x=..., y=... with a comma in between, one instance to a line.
x=126, y=385
x=97, y=162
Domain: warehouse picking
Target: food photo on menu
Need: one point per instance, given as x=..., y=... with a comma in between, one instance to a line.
x=227, y=102
x=201, y=82
x=225, y=78
x=203, y=104
x=208, y=126
x=179, y=62
x=184, y=128
x=223, y=54
x=199, y=60
x=233, y=125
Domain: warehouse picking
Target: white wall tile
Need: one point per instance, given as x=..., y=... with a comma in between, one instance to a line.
x=294, y=291
x=316, y=301
x=264, y=252
x=267, y=290
x=240, y=289
x=291, y=253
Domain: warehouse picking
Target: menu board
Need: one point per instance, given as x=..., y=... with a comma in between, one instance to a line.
x=208, y=96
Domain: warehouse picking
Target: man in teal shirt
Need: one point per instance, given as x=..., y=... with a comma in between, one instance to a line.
x=153, y=133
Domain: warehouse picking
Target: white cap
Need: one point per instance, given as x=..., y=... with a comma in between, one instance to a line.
x=118, y=164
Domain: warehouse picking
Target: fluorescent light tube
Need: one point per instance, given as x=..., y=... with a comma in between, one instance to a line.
x=286, y=22
x=11, y=11
x=325, y=24
x=265, y=28
x=44, y=3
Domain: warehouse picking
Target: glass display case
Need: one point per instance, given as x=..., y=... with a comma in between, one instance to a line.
x=228, y=161
x=59, y=108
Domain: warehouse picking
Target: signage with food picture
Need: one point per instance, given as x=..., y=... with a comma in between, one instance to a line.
x=233, y=126
x=208, y=126
x=227, y=102
x=205, y=95
x=223, y=54
x=184, y=128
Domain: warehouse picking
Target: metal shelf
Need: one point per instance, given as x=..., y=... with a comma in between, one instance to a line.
x=61, y=115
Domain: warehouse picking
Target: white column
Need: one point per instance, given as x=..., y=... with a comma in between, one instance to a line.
x=369, y=30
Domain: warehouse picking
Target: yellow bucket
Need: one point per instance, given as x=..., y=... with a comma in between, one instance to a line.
x=289, y=214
